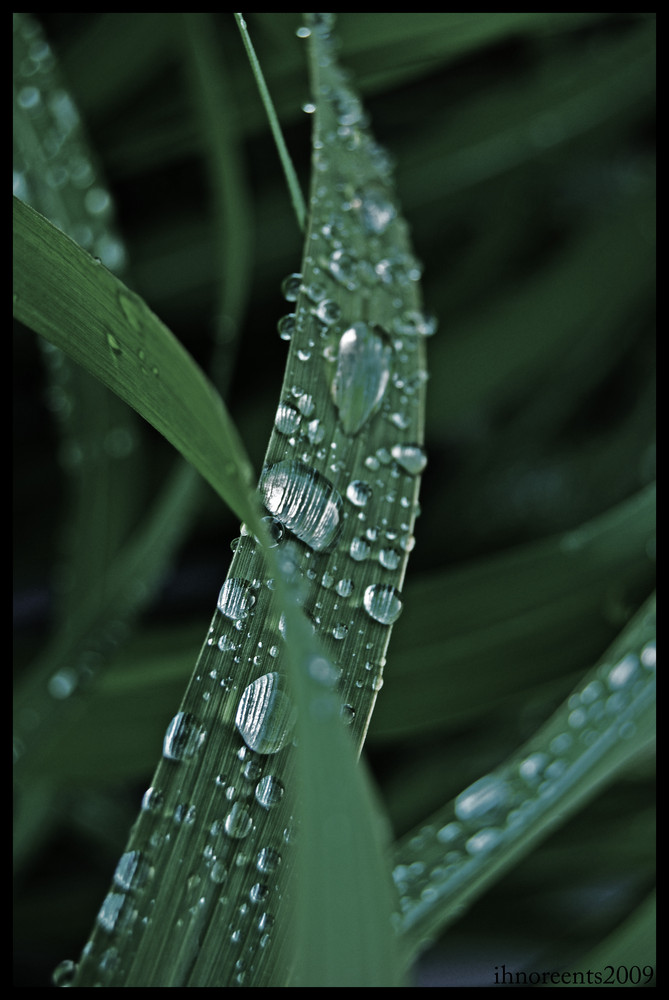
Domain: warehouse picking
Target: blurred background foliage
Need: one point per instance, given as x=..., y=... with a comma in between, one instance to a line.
x=524, y=150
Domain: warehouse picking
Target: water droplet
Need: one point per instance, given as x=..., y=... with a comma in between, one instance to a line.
x=269, y=791
x=414, y=323
x=340, y=630
x=236, y=599
x=183, y=738
x=375, y=208
x=359, y=492
x=290, y=287
x=411, y=457
x=304, y=501
x=344, y=588
x=343, y=268
x=328, y=311
x=64, y=973
x=483, y=841
x=218, y=872
x=484, y=798
x=62, y=683
x=132, y=870
x=622, y=673
x=359, y=549
x=238, y=823
x=389, y=558
x=268, y=860
x=382, y=603
x=286, y=326
x=152, y=800
x=361, y=376
x=265, y=715
x=258, y=893
x=114, y=345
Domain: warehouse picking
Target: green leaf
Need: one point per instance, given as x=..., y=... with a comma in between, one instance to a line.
x=76, y=304
x=607, y=721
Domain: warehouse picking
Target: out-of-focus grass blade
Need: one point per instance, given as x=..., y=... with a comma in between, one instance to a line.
x=606, y=722
x=499, y=626
x=628, y=956
x=76, y=304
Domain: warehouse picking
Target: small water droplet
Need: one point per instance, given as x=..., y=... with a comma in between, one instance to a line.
x=359, y=492
x=389, y=558
x=268, y=860
x=411, y=457
x=487, y=797
x=375, y=208
x=382, y=603
x=269, y=791
x=328, y=311
x=132, y=871
x=236, y=599
x=286, y=326
x=183, y=738
x=238, y=823
x=265, y=715
x=344, y=588
x=340, y=630
x=64, y=973
x=359, y=549
x=114, y=345
x=622, y=673
x=290, y=287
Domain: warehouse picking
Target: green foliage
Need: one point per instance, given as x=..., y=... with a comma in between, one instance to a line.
x=524, y=165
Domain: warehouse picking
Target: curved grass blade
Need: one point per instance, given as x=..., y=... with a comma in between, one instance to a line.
x=441, y=867
x=224, y=849
x=76, y=304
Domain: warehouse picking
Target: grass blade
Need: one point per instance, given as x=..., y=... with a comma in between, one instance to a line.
x=228, y=753
x=448, y=862
x=286, y=162
x=76, y=304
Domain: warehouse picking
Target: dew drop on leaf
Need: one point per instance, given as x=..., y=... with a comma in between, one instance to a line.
x=269, y=791
x=359, y=492
x=236, y=599
x=487, y=799
x=304, y=501
x=361, y=376
x=265, y=715
x=183, y=738
x=382, y=603
x=411, y=457
x=238, y=822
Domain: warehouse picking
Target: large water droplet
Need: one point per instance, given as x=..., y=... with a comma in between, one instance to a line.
x=265, y=715
x=361, y=376
x=382, y=603
x=304, y=501
x=236, y=599
x=183, y=738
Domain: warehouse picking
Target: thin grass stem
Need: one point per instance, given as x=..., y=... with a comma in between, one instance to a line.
x=291, y=177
